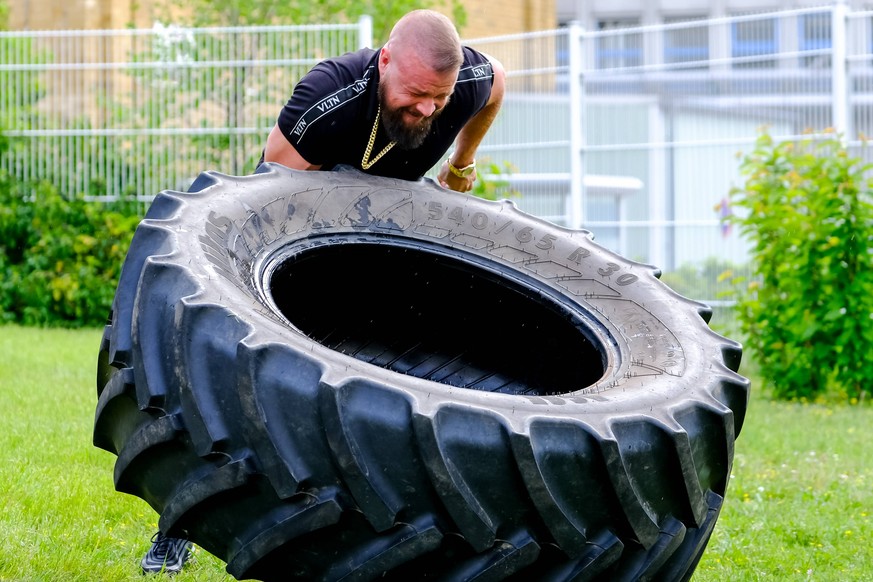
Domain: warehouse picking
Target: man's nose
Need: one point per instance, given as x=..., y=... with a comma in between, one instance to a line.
x=426, y=107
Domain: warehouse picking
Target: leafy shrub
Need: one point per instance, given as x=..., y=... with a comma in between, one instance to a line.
x=709, y=281
x=702, y=280
x=492, y=181
x=59, y=258
x=807, y=311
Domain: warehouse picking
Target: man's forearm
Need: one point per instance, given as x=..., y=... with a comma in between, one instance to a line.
x=474, y=131
x=471, y=136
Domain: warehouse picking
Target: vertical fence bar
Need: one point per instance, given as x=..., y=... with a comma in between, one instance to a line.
x=840, y=69
x=576, y=198
x=365, y=31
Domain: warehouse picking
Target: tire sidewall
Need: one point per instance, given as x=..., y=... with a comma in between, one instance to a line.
x=233, y=236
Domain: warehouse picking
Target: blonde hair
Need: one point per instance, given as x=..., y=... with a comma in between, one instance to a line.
x=433, y=36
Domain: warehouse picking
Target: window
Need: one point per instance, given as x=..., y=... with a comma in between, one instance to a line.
x=686, y=43
x=754, y=38
x=621, y=48
x=562, y=61
x=814, y=34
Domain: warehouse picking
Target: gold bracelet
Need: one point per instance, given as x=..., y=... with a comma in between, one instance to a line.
x=461, y=172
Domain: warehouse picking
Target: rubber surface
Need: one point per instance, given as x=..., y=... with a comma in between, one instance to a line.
x=326, y=375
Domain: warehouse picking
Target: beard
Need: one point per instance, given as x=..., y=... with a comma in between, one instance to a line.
x=407, y=137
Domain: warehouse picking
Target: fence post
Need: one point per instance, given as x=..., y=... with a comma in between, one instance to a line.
x=840, y=69
x=576, y=200
x=365, y=31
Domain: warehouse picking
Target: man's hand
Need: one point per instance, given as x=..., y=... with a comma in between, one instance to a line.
x=449, y=180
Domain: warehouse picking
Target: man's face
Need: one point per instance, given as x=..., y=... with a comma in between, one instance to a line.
x=412, y=95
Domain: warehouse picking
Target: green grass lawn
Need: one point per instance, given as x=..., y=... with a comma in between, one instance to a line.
x=61, y=516
x=798, y=508
x=800, y=502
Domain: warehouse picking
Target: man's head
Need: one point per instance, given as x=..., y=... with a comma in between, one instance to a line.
x=418, y=68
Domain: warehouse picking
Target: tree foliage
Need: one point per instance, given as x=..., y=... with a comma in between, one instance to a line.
x=247, y=13
x=807, y=312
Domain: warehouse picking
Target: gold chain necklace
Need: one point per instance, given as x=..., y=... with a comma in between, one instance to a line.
x=366, y=163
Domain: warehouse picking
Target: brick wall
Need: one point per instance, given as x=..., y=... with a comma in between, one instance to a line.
x=489, y=18
x=70, y=14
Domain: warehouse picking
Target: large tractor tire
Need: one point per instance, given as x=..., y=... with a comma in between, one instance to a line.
x=327, y=375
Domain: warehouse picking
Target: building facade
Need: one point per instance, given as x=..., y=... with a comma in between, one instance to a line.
x=607, y=14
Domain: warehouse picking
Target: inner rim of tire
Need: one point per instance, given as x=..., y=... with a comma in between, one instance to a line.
x=416, y=311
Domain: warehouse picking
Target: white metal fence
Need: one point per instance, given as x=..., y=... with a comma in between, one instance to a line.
x=637, y=133
x=632, y=133
x=111, y=112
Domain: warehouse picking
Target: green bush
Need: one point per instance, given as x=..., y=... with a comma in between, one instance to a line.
x=709, y=281
x=492, y=181
x=701, y=280
x=59, y=258
x=807, y=311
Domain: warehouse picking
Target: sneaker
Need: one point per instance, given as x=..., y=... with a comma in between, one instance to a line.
x=166, y=555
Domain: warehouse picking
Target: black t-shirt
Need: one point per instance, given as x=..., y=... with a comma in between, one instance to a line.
x=330, y=115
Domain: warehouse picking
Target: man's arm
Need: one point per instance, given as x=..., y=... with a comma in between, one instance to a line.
x=473, y=133
x=280, y=150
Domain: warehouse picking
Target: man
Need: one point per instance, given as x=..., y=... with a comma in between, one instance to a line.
x=395, y=111
x=391, y=112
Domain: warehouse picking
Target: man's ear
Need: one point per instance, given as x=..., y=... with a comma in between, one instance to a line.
x=384, y=57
